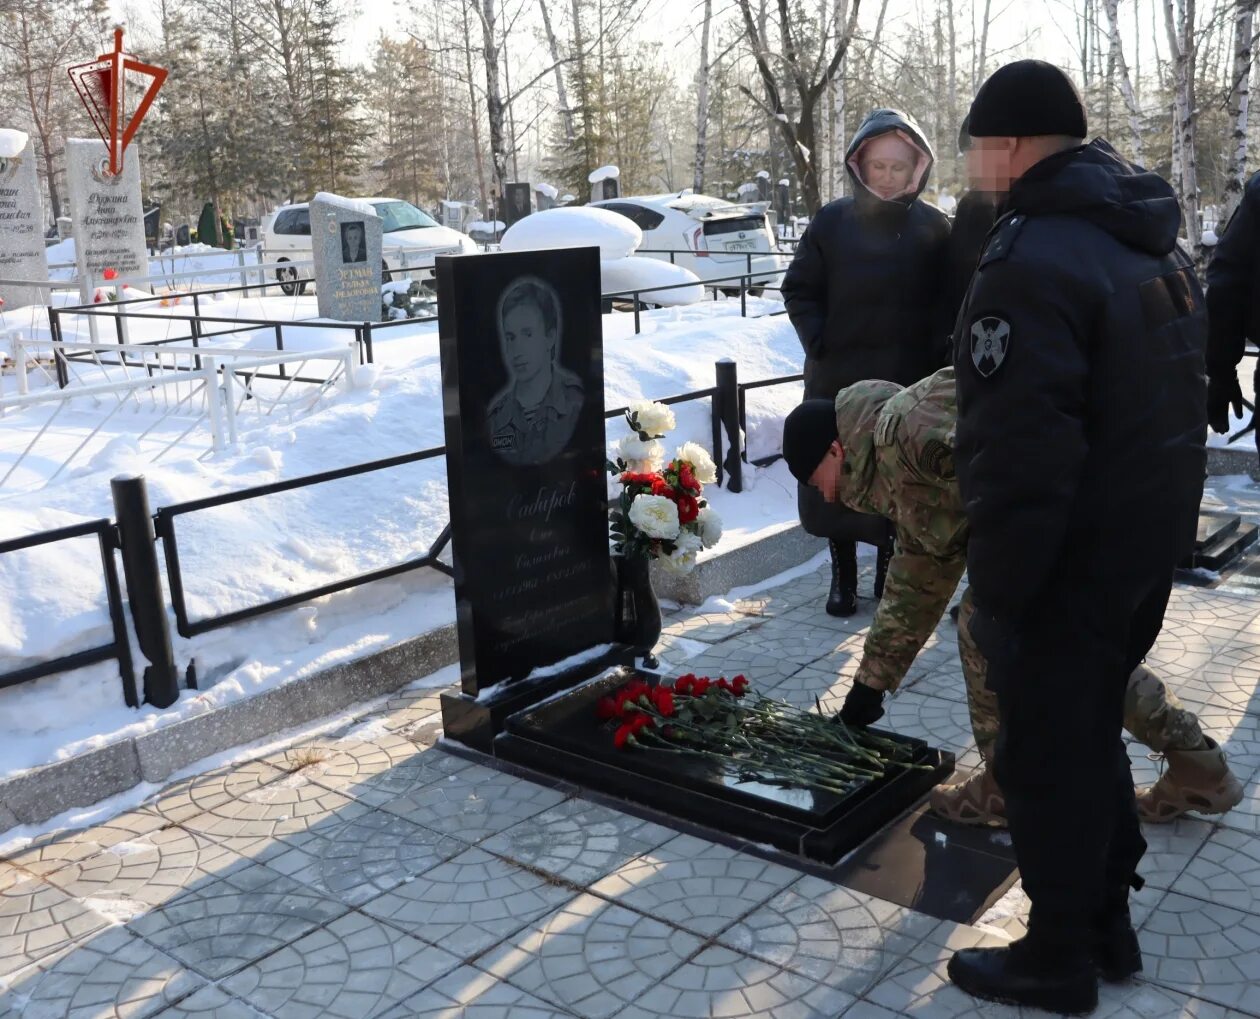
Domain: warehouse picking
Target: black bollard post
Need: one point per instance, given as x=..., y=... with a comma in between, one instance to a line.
x=144, y=589
x=728, y=408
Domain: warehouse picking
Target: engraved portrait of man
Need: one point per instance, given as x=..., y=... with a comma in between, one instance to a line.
x=353, y=246
x=533, y=417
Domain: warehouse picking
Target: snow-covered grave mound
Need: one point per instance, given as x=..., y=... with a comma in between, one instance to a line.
x=638, y=272
x=582, y=227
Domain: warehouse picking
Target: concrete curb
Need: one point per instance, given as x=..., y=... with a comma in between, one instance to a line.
x=80, y=781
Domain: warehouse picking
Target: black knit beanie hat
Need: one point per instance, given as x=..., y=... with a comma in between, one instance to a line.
x=808, y=433
x=1027, y=98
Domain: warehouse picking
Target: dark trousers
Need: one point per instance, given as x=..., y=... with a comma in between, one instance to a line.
x=1060, y=759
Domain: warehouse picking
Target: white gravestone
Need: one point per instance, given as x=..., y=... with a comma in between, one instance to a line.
x=346, y=243
x=21, y=229
x=108, y=216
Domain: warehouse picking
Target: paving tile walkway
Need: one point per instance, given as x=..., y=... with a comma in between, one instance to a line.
x=368, y=874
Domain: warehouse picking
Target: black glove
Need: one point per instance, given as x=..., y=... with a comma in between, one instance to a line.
x=863, y=706
x=1223, y=393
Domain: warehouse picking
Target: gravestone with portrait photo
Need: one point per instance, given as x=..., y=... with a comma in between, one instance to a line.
x=523, y=398
x=515, y=203
x=21, y=230
x=108, y=214
x=346, y=244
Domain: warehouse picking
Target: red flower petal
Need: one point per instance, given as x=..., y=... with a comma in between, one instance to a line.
x=620, y=737
x=607, y=708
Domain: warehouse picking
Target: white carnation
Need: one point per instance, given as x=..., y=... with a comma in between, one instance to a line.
x=641, y=456
x=710, y=526
x=701, y=463
x=655, y=516
x=655, y=419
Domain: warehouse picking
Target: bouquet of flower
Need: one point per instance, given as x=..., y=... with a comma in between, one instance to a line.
x=661, y=513
x=748, y=736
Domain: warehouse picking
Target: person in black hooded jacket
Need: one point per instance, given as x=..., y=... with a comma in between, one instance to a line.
x=863, y=293
x=1233, y=300
x=1081, y=456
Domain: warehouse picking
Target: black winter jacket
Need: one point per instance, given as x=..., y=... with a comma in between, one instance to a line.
x=973, y=219
x=864, y=288
x=1233, y=287
x=1080, y=362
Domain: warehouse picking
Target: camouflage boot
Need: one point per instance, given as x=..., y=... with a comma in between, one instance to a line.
x=976, y=801
x=1198, y=780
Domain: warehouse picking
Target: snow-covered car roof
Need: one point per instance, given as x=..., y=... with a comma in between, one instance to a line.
x=695, y=206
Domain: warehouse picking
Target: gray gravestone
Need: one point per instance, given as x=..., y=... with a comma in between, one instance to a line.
x=346, y=242
x=65, y=227
x=108, y=215
x=21, y=230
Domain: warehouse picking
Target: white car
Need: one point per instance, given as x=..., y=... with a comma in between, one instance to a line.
x=411, y=239
x=712, y=237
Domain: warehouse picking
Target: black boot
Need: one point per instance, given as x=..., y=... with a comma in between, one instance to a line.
x=1117, y=953
x=882, y=559
x=842, y=599
x=1057, y=977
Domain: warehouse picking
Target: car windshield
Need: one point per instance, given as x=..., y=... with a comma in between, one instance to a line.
x=397, y=216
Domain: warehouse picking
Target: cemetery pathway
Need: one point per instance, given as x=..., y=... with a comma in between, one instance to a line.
x=369, y=874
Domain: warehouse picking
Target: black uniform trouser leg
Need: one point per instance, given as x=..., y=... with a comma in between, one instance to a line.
x=1060, y=759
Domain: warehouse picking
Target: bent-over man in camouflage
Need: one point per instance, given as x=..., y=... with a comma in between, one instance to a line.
x=887, y=450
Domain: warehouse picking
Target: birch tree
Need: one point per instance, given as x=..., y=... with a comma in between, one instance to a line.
x=702, y=101
x=801, y=76
x=1239, y=103
x=1121, y=69
x=1179, y=25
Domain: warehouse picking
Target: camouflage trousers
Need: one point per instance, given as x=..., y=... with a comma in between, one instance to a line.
x=1152, y=713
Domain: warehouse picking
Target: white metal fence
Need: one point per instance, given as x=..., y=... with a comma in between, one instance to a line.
x=172, y=391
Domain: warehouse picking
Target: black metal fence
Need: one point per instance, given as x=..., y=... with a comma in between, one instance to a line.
x=119, y=648
x=138, y=532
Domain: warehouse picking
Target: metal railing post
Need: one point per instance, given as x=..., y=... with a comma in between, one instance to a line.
x=728, y=409
x=636, y=313
x=144, y=589
x=365, y=351
x=743, y=296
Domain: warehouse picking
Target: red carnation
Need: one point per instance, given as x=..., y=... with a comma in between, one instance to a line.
x=620, y=736
x=701, y=686
x=687, y=479
x=682, y=685
x=664, y=701
x=688, y=509
x=110, y=274
x=659, y=487
x=740, y=685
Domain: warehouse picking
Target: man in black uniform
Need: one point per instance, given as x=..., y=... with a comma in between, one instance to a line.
x=1080, y=455
x=1233, y=299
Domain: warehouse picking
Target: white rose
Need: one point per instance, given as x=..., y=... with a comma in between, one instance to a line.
x=679, y=562
x=655, y=516
x=710, y=526
x=701, y=463
x=645, y=456
x=653, y=418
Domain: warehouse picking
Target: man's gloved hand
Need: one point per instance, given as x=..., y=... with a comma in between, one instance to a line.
x=863, y=706
x=1223, y=393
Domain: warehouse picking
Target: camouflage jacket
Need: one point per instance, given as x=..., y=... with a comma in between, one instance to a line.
x=899, y=463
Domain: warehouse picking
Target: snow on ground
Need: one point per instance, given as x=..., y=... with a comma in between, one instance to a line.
x=52, y=600
x=188, y=258
x=614, y=234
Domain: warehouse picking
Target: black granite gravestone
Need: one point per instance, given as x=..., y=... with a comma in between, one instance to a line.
x=515, y=203
x=523, y=398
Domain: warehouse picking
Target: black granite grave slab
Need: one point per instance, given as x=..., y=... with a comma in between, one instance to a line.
x=523, y=402
x=563, y=738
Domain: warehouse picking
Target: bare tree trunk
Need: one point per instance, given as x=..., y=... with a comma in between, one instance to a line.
x=1239, y=104
x=511, y=116
x=984, y=48
x=702, y=102
x=445, y=138
x=840, y=178
x=1181, y=41
x=475, y=114
x=1122, y=72
x=487, y=14
x=951, y=94
x=562, y=94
